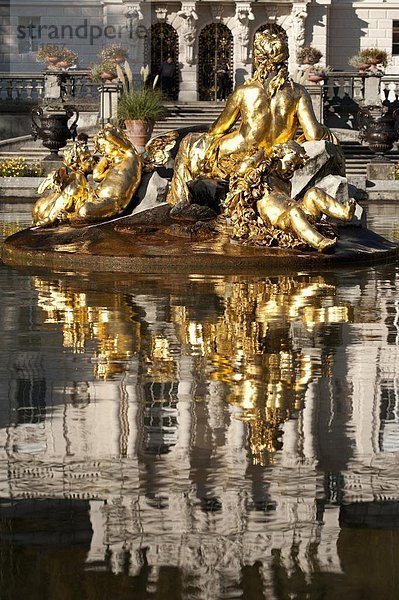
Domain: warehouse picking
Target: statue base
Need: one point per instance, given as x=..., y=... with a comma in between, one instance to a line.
x=151, y=242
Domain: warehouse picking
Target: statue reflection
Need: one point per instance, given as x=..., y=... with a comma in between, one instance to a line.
x=257, y=343
x=257, y=349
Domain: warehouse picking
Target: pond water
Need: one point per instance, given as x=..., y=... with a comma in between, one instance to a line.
x=199, y=437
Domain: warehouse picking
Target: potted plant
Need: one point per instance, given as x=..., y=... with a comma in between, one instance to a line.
x=113, y=53
x=139, y=108
x=370, y=60
x=308, y=55
x=57, y=57
x=103, y=71
x=318, y=73
x=66, y=59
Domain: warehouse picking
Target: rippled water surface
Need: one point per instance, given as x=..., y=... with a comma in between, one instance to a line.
x=200, y=437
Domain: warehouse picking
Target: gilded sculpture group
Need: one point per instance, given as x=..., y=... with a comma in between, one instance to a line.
x=251, y=146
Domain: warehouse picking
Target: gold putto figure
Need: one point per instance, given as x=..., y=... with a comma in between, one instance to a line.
x=260, y=207
x=115, y=177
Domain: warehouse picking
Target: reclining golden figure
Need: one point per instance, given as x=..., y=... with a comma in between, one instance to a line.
x=271, y=108
x=115, y=178
x=260, y=208
x=74, y=198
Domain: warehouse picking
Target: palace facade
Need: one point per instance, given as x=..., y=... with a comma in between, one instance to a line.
x=198, y=35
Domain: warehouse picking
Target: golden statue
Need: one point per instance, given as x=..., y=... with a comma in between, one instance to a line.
x=270, y=108
x=115, y=178
x=68, y=184
x=260, y=207
x=251, y=146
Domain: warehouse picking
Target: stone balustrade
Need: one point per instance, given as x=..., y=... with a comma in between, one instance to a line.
x=28, y=87
x=389, y=89
x=21, y=87
x=343, y=92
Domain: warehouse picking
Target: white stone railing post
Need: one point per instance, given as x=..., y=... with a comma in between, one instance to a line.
x=108, y=103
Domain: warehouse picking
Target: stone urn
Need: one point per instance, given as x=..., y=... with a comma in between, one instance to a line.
x=379, y=131
x=139, y=132
x=53, y=129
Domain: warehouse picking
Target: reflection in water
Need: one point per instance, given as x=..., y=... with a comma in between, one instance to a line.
x=199, y=437
x=253, y=346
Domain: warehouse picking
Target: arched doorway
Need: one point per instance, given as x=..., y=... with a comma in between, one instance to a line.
x=215, y=48
x=163, y=42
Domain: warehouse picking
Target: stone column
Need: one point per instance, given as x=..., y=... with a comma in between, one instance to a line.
x=188, y=51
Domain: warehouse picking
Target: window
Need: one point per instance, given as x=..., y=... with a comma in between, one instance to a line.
x=395, y=38
x=28, y=34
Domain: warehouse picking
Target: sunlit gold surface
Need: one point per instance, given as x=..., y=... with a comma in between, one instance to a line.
x=85, y=190
x=259, y=116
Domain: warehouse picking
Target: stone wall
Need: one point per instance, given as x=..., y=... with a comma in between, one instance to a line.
x=339, y=29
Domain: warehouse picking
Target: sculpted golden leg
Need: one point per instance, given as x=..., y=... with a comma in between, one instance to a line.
x=295, y=219
x=317, y=202
x=93, y=210
x=275, y=208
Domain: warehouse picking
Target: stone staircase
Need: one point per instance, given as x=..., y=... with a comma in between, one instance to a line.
x=357, y=157
x=193, y=114
x=189, y=115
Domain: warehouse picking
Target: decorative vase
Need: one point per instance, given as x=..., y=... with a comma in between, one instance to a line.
x=139, y=132
x=53, y=129
x=379, y=133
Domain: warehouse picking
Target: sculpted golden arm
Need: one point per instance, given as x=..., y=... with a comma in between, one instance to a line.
x=312, y=129
x=228, y=116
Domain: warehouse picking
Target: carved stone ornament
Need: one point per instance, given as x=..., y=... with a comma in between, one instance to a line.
x=188, y=30
x=161, y=13
x=243, y=16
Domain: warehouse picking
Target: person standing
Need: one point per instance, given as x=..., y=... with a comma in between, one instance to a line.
x=167, y=77
x=223, y=80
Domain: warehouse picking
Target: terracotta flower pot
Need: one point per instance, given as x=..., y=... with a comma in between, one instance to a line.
x=51, y=62
x=62, y=64
x=315, y=78
x=139, y=132
x=107, y=76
